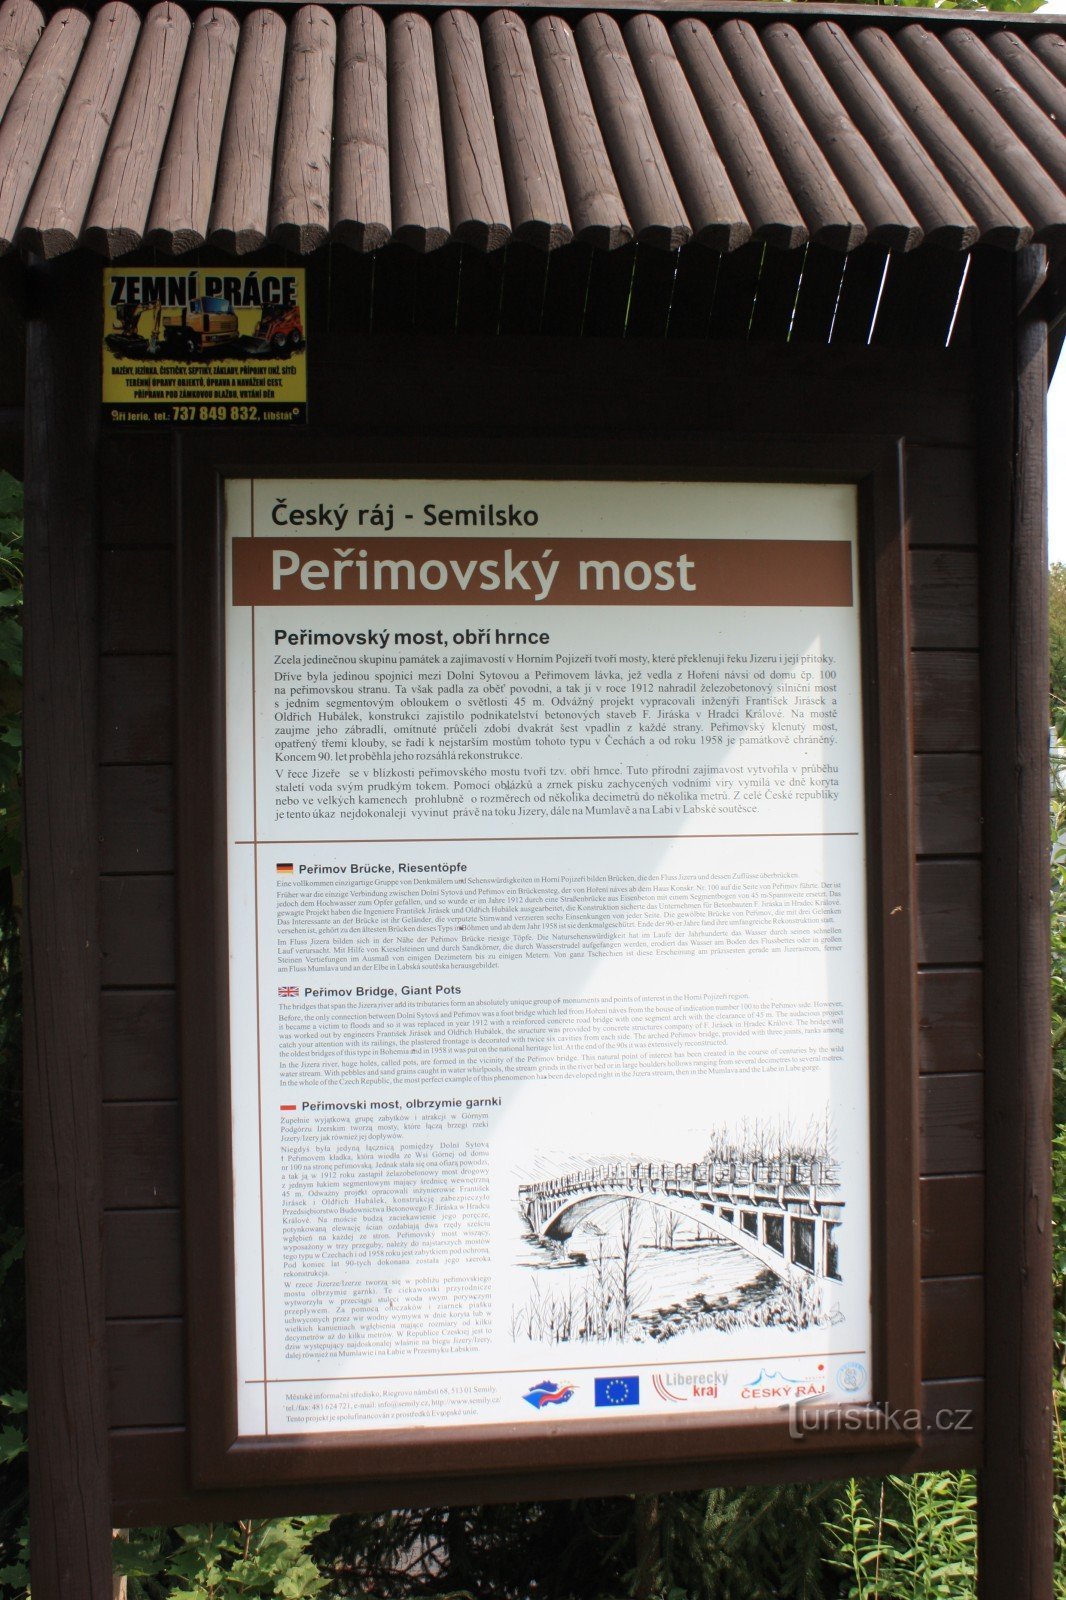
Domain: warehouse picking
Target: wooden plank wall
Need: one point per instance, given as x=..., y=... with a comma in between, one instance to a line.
x=930, y=404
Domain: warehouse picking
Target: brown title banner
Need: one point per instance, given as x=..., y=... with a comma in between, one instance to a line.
x=520, y=572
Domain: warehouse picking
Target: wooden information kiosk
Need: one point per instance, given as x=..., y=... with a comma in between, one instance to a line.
x=536, y=777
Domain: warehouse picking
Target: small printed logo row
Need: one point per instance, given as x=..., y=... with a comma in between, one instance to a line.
x=606, y=1391
x=678, y=1387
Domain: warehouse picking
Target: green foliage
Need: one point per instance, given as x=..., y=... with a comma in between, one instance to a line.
x=223, y=1561
x=908, y=1538
x=509, y=1552
x=968, y=5
x=762, y=1544
x=1057, y=643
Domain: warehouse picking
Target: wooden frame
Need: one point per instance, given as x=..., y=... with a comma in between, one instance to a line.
x=524, y=1461
x=1015, y=1517
x=64, y=1144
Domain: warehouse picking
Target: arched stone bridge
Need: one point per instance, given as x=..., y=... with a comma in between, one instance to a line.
x=786, y=1214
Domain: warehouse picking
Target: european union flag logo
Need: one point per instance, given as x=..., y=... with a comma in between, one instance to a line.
x=618, y=1391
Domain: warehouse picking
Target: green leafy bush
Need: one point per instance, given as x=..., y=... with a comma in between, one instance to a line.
x=223, y=1562
x=912, y=1537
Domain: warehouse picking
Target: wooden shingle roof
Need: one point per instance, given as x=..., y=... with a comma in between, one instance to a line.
x=169, y=129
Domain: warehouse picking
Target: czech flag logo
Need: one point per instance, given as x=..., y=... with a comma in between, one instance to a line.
x=548, y=1393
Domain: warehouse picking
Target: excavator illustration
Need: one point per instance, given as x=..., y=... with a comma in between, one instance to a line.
x=282, y=328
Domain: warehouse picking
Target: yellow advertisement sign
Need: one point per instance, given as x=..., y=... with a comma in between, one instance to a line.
x=208, y=345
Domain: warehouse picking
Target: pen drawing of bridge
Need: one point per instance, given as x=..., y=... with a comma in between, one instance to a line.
x=743, y=1238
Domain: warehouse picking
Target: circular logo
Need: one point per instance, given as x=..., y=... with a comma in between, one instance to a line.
x=851, y=1376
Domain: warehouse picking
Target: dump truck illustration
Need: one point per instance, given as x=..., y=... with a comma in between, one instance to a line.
x=204, y=325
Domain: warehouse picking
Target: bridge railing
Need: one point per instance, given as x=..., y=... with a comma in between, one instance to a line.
x=689, y=1177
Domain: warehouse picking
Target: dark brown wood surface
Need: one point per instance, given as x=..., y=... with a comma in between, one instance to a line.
x=1039, y=124
x=772, y=211
x=137, y=692
x=1016, y=1553
x=144, y=1144
x=1052, y=52
x=885, y=132
x=949, y=912
x=644, y=176
x=362, y=201
x=21, y=25
x=947, y=701
x=1001, y=221
x=819, y=293
x=240, y=210
x=300, y=202
x=138, y=614
x=142, y=1264
x=477, y=193
x=713, y=208
x=597, y=211
x=953, y=1330
x=137, y=818
x=952, y=1123
x=947, y=804
x=539, y=213
x=1026, y=66
x=137, y=930
x=64, y=1150
x=117, y=218
x=941, y=495
x=31, y=114
x=944, y=604
x=181, y=202
x=831, y=217
x=953, y=1226
x=136, y=708
x=943, y=220
x=888, y=219
x=55, y=212
x=139, y=1043
x=1033, y=25
x=420, y=216
x=1024, y=179
x=950, y=1009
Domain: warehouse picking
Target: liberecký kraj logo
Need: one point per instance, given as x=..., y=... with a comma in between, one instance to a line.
x=678, y=1387
x=549, y=1393
x=772, y=1384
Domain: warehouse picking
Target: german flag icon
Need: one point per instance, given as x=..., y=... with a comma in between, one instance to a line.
x=285, y=866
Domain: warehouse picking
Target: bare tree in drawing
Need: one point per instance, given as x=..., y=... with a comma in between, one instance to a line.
x=625, y=1264
x=665, y=1228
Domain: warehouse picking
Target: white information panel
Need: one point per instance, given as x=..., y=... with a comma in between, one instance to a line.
x=548, y=953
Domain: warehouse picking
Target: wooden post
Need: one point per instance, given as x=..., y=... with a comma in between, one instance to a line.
x=120, y=1587
x=1016, y=1555
x=70, y=1518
